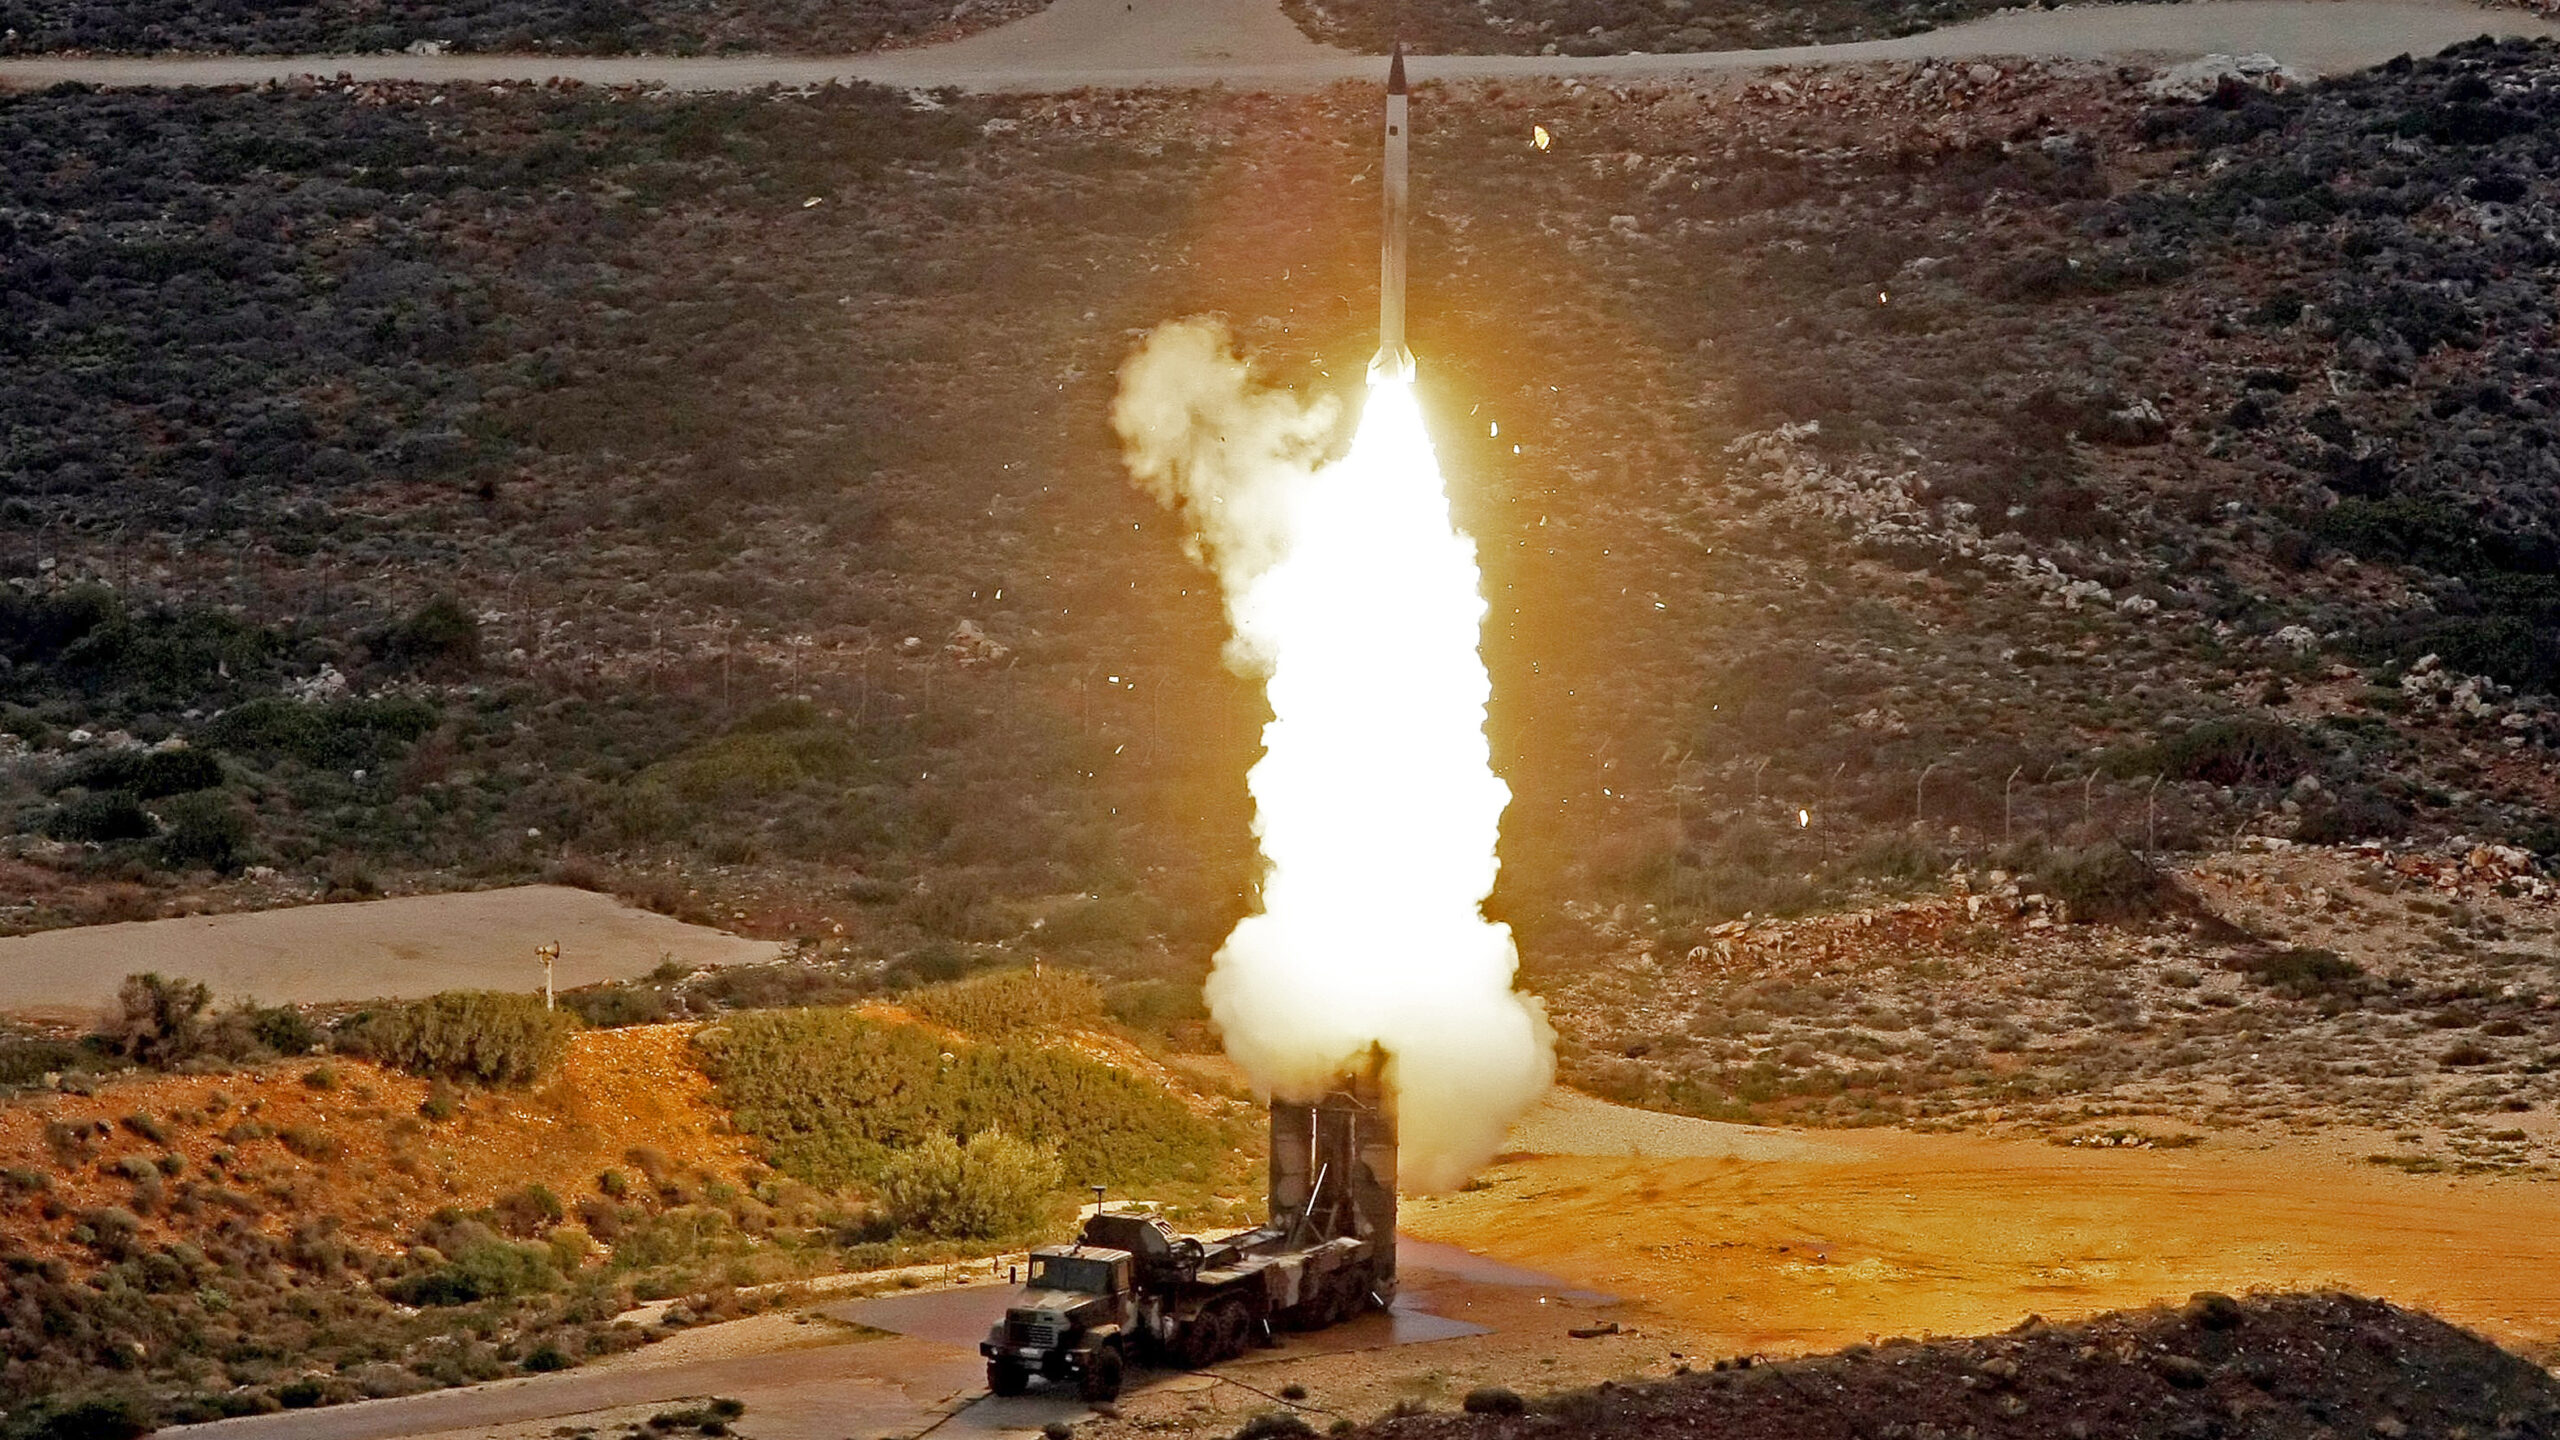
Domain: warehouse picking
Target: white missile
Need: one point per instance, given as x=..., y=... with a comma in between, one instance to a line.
x=1393, y=355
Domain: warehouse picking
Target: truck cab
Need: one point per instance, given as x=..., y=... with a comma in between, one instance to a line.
x=1073, y=1320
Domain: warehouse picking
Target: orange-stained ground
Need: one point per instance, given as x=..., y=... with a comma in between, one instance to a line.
x=615, y=1090
x=1904, y=1234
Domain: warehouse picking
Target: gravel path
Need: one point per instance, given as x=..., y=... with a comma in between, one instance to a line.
x=1114, y=44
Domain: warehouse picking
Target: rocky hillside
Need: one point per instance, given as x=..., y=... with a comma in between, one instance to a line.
x=2401, y=1001
x=1613, y=27
x=196, y=1237
x=709, y=496
x=2279, y=1366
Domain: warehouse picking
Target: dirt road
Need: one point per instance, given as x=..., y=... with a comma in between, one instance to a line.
x=1885, y=1233
x=1077, y=44
x=414, y=945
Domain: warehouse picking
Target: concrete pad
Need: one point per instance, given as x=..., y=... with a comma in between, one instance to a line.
x=376, y=949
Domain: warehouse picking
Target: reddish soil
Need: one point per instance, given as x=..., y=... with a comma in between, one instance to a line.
x=379, y=1165
x=1903, y=1234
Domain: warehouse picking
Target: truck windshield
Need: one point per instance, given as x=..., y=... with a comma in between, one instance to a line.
x=1069, y=1272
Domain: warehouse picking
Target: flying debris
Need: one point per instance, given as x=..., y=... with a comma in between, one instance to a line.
x=1394, y=358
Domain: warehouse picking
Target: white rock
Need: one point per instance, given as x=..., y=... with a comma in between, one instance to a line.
x=2197, y=79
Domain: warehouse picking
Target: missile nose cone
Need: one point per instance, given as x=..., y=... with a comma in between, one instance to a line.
x=1395, y=72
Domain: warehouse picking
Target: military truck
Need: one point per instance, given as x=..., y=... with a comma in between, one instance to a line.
x=1132, y=1291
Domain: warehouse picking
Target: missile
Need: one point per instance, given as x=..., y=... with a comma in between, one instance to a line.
x=1393, y=356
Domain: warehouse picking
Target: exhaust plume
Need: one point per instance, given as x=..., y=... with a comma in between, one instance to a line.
x=1355, y=600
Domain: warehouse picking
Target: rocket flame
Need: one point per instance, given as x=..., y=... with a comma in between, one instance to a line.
x=1354, y=596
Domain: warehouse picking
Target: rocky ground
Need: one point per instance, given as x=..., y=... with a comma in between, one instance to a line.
x=2308, y=1365
x=1613, y=27
x=2411, y=997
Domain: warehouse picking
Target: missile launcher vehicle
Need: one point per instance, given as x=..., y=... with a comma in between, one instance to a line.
x=1132, y=1291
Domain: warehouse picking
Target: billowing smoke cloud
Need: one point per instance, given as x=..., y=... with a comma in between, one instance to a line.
x=1356, y=601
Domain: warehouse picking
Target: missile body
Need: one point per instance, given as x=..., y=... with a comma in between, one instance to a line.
x=1393, y=355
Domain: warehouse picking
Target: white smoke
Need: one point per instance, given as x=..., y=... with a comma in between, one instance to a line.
x=1357, y=602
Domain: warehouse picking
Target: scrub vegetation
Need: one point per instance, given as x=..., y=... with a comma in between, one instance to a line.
x=2001, y=586
x=838, y=1098
x=687, y=497
x=461, y=1188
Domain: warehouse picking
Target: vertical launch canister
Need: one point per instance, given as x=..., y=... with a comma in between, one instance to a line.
x=1394, y=356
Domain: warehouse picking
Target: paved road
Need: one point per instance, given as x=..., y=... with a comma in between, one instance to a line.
x=886, y=1387
x=927, y=1375
x=1114, y=44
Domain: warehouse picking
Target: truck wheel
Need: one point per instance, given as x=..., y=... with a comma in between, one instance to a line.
x=1006, y=1378
x=1198, y=1345
x=1343, y=1293
x=1235, y=1329
x=1101, y=1379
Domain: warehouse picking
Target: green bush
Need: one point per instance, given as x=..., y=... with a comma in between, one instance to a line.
x=310, y=1142
x=1010, y=1002
x=206, y=828
x=987, y=1186
x=478, y=1265
x=2106, y=882
x=2304, y=972
x=27, y=1061
x=148, y=774
x=277, y=1028
x=2243, y=751
x=529, y=1211
x=439, y=635
x=158, y=1020
x=1109, y=920
x=478, y=1035
x=608, y=1007
x=337, y=736
x=1156, y=1004
x=1900, y=858
x=40, y=627
x=113, y=1416
x=100, y=819
x=833, y=1095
